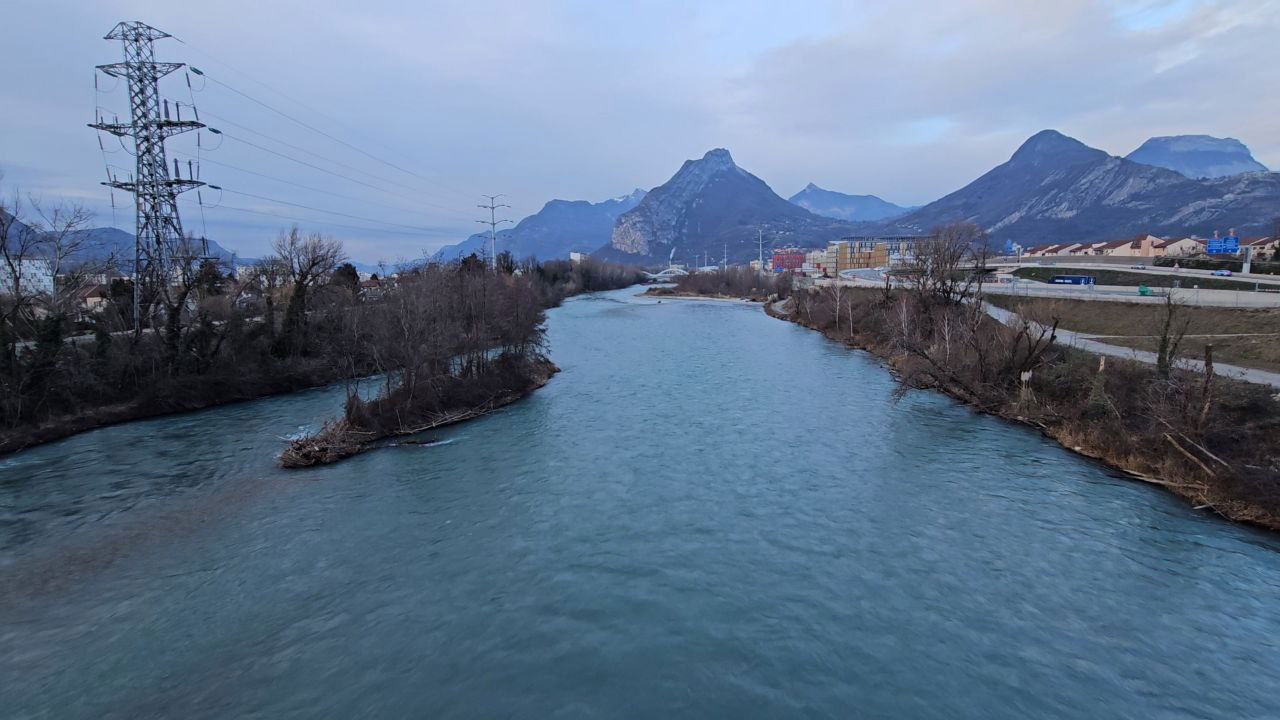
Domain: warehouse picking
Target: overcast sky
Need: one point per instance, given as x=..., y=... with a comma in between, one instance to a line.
x=587, y=100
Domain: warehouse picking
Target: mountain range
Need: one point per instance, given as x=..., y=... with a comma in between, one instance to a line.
x=1197, y=156
x=109, y=242
x=1055, y=188
x=560, y=227
x=838, y=205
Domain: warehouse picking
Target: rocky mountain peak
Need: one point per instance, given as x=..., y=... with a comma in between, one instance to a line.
x=1197, y=156
x=709, y=203
x=718, y=157
x=1052, y=147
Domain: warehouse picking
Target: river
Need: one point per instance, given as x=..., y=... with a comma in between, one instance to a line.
x=708, y=513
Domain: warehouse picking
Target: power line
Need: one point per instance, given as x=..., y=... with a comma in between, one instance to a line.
x=312, y=153
x=258, y=81
x=305, y=187
x=313, y=220
x=318, y=131
x=330, y=212
x=348, y=178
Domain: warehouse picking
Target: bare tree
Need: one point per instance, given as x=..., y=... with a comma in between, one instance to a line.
x=308, y=261
x=940, y=266
x=19, y=248
x=1173, y=326
x=71, y=254
x=836, y=291
x=269, y=274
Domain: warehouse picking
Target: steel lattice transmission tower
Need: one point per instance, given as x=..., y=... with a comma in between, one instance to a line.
x=159, y=239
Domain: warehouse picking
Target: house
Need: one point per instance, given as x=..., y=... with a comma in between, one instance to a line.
x=1179, y=247
x=1261, y=246
x=1141, y=245
x=371, y=289
x=93, y=297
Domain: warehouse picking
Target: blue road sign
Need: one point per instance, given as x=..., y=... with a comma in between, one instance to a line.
x=1223, y=246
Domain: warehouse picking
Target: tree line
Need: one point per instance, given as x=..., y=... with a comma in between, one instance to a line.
x=296, y=318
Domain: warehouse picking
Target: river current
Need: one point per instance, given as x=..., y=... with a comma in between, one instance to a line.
x=707, y=513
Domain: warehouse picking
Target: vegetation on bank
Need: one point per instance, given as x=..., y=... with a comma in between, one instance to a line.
x=735, y=282
x=298, y=318
x=451, y=343
x=1212, y=440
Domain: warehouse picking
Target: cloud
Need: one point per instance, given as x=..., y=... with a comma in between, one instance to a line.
x=588, y=100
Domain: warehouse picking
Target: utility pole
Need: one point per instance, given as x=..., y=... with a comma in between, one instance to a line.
x=158, y=234
x=493, y=224
x=760, y=248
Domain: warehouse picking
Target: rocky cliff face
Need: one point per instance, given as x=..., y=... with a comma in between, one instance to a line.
x=1055, y=188
x=560, y=227
x=1197, y=156
x=713, y=206
x=840, y=206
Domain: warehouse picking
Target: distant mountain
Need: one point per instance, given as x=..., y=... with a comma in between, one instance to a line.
x=1197, y=156
x=560, y=227
x=832, y=204
x=711, y=205
x=107, y=242
x=1056, y=189
x=104, y=242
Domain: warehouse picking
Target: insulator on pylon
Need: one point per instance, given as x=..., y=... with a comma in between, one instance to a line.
x=166, y=109
x=190, y=175
x=176, y=174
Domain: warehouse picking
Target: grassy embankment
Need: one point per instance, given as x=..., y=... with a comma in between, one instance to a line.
x=1249, y=337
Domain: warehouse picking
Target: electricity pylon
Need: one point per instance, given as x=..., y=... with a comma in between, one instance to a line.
x=159, y=237
x=493, y=223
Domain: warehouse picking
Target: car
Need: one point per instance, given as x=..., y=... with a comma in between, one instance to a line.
x=1139, y=266
x=1222, y=273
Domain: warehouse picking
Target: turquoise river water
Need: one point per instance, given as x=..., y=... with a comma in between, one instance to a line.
x=708, y=513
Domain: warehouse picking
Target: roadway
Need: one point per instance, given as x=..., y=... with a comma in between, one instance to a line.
x=1088, y=342
x=1114, y=293
x=1079, y=264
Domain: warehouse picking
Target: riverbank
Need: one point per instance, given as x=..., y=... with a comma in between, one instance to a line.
x=60, y=387
x=1210, y=440
x=468, y=399
x=671, y=292
x=170, y=399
